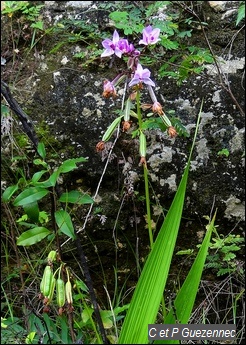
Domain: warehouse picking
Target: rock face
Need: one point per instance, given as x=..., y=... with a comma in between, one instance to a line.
x=69, y=98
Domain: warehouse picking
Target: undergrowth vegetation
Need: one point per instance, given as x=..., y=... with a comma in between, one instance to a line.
x=45, y=298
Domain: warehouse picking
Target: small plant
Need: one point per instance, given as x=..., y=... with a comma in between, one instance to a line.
x=222, y=256
x=22, y=7
x=25, y=24
x=34, y=190
x=223, y=152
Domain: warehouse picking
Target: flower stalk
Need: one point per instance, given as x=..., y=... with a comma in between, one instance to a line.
x=136, y=78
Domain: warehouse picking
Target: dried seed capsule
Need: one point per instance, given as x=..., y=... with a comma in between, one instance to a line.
x=47, y=279
x=111, y=128
x=60, y=292
x=68, y=289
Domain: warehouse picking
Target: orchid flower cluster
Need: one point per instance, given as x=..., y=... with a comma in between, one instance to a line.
x=135, y=76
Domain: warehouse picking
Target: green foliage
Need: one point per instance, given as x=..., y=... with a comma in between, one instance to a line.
x=34, y=191
x=23, y=8
x=222, y=253
x=240, y=13
x=12, y=331
x=187, y=60
x=223, y=152
x=152, y=281
x=130, y=22
x=71, y=31
x=157, y=123
x=181, y=66
x=27, y=14
x=29, y=195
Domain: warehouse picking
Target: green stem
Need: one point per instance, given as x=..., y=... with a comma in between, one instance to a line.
x=139, y=111
x=146, y=181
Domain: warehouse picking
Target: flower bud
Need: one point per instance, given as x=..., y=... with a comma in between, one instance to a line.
x=157, y=108
x=100, y=146
x=108, y=89
x=172, y=132
x=126, y=125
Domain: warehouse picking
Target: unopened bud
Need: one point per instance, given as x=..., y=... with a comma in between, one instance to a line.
x=172, y=132
x=126, y=126
x=100, y=146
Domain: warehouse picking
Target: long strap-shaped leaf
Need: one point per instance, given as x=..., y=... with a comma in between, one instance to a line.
x=185, y=299
x=148, y=293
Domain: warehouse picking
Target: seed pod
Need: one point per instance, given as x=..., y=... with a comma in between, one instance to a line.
x=52, y=289
x=166, y=120
x=60, y=292
x=47, y=279
x=111, y=128
x=52, y=256
x=42, y=286
x=142, y=145
x=127, y=110
x=68, y=289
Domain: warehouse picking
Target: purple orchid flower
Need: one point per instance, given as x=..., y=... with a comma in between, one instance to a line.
x=125, y=47
x=111, y=46
x=150, y=36
x=141, y=76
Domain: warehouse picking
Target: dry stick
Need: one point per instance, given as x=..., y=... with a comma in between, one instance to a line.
x=91, y=290
x=22, y=116
x=97, y=190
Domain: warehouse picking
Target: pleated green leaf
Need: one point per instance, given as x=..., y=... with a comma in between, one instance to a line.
x=146, y=299
x=183, y=305
x=148, y=293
